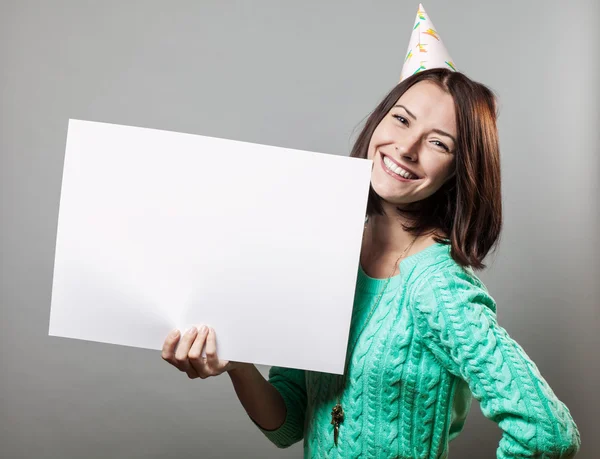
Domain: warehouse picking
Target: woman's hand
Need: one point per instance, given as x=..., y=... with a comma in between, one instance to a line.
x=188, y=356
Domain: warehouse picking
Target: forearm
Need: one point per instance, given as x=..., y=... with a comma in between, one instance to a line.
x=459, y=326
x=263, y=403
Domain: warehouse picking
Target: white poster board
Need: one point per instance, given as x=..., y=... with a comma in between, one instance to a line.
x=160, y=230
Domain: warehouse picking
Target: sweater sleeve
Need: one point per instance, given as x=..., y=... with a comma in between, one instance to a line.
x=455, y=318
x=291, y=384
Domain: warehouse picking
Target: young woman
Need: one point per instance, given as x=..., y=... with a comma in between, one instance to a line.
x=424, y=337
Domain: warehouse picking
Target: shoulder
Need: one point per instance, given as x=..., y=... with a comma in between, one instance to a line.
x=444, y=286
x=450, y=306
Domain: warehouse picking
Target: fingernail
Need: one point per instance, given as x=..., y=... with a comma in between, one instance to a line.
x=203, y=329
x=191, y=330
x=174, y=333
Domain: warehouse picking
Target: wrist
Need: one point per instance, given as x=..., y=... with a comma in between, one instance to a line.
x=238, y=368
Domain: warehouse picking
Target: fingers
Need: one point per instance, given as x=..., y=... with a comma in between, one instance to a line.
x=168, y=349
x=215, y=365
x=181, y=354
x=211, y=350
x=195, y=354
x=188, y=356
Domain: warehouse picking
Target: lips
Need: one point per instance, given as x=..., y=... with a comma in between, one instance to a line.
x=393, y=174
x=402, y=166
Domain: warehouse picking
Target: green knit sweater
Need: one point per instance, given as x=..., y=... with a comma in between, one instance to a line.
x=432, y=344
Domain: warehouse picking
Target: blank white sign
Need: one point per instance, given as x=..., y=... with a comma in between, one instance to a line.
x=160, y=230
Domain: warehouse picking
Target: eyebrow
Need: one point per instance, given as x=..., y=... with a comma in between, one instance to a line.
x=437, y=131
x=440, y=132
x=407, y=111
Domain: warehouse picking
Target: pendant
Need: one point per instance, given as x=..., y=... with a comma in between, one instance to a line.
x=337, y=416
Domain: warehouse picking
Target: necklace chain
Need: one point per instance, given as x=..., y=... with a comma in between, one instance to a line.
x=337, y=414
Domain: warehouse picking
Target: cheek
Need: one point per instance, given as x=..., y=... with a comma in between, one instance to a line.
x=371, y=150
x=441, y=173
x=383, y=135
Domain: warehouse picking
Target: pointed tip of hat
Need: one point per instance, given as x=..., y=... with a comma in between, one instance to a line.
x=425, y=41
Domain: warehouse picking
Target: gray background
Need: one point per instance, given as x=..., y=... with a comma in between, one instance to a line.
x=300, y=75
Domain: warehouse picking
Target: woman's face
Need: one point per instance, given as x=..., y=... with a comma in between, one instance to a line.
x=417, y=134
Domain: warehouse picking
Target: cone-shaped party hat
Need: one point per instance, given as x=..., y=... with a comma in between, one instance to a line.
x=425, y=49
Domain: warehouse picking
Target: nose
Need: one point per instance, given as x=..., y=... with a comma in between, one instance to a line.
x=408, y=148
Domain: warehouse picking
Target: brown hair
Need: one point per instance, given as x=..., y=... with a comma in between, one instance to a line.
x=468, y=207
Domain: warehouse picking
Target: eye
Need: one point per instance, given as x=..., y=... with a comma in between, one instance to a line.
x=401, y=119
x=440, y=144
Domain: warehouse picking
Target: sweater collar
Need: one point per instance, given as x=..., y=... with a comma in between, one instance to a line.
x=421, y=259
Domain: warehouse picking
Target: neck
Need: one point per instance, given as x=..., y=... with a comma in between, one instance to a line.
x=385, y=235
x=384, y=241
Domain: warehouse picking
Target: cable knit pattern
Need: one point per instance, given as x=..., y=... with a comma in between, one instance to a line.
x=433, y=344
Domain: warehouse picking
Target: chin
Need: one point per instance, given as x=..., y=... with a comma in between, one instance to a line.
x=394, y=198
x=395, y=191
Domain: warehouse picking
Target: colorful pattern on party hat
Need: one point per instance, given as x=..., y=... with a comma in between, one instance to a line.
x=425, y=42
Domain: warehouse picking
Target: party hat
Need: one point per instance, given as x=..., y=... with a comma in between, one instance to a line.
x=425, y=48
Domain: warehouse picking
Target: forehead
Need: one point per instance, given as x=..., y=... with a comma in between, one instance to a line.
x=428, y=102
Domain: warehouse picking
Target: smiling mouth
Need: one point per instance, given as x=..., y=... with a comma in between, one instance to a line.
x=392, y=168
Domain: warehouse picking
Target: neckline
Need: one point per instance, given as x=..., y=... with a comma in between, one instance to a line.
x=370, y=284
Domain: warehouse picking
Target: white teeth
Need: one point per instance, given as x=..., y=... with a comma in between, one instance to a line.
x=398, y=170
